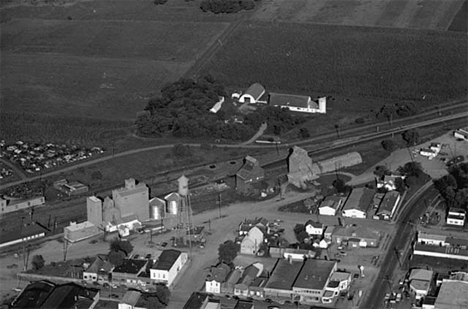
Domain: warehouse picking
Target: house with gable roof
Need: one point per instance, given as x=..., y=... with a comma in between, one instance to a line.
x=358, y=203
x=330, y=205
x=314, y=228
x=217, y=276
x=251, y=242
x=250, y=273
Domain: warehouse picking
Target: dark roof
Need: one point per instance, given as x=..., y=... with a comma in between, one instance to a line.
x=360, y=198
x=280, y=99
x=219, y=273
x=250, y=169
x=314, y=274
x=243, y=304
x=26, y=231
x=195, y=301
x=130, y=266
x=388, y=202
x=284, y=274
x=63, y=296
x=314, y=224
x=167, y=259
x=34, y=295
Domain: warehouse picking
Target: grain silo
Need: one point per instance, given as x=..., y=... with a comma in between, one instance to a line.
x=157, y=208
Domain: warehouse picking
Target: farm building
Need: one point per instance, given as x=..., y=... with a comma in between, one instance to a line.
x=456, y=216
x=298, y=103
x=70, y=188
x=80, y=231
x=249, y=173
x=388, y=206
x=461, y=134
x=253, y=94
x=360, y=236
x=10, y=204
x=300, y=168
x=330, y=205
x=336, y=163
x=217, y=106
x=358, y=203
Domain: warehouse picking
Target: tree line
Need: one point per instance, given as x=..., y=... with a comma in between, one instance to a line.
x=182, y=110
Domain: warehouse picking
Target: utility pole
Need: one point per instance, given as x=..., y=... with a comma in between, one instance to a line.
x=219, y=205
x=397, y=255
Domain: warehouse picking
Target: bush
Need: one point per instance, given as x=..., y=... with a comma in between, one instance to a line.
x=360, y=120
x=388, y=145
x=37, y=262
x=247, y=5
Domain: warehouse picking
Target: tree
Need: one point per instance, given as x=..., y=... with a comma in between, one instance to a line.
x=381, y=171
x=121, y=245
x=299, y=228
x=388, y=111
x=227, y=251
x=302, y=236
x=37, y=262
x=303, y=133
x=411, y=137
x=388, y=145
x=116, y=258
x=406, y=110
x=400, y=185
x=157, y=2
x=411, y=169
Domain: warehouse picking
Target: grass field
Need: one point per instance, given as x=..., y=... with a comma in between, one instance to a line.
x=96, y=60
x=460, y=22
x=323, y=59
x=416, y=14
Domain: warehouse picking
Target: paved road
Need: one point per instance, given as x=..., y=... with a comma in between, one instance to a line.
x=411, y=212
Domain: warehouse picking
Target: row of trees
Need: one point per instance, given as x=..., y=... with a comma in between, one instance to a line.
x=183, y=111
x=118, y=251
x=411, y=137
x=454, y=187
x=226, y=6
x=393, y=111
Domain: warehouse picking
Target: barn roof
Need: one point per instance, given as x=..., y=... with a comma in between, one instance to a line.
x=255, y=90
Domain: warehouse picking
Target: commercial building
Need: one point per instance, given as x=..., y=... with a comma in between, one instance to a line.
x=304, y=281
x=216, y=278
x=420, y=282
x=70, y=188
x=46, y=295
x=132, y=199
x=358, y=203
x=80, y=231
x=456, y=217
x=168, y=266
x=26, y=233
x=330, y=205
x=388, y=206
x=339, y=282
x=100, y=271
x=453, y=294
x=8, y=205
x=128, y=273
x=356, y=236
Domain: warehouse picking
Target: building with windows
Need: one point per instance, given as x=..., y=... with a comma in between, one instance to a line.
x=216, y=278
x=99, y=271
x=388, y=205
x=358, y=203
x=168, y=266
x=456, y=217
x=330, y=205
x=128, y=273
x=314, y=228
x=251, y=172
x=80, y=231
x=252, y=241
x=10, y=204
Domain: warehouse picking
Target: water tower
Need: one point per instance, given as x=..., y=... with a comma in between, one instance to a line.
x=185, y=213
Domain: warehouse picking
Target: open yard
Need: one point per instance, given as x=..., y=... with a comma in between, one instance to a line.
x=421, y=66
x=418, y=14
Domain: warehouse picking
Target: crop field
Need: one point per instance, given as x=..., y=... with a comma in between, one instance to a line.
x=398, y=64
x=98, y=60
x=415, y=14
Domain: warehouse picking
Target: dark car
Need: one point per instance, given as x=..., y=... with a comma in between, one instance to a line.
x=148, y=256
x=114, y=296
x=267, y=300
x=164, y=244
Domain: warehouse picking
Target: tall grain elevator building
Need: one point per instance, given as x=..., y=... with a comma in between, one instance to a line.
x=132, y=199
x=94, y=210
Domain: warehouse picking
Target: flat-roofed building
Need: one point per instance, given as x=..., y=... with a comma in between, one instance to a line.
x=420, y=282
x=313, y=279
x=168, y=266
x=456, y=216
x=282, y=279
x=80, y=231
x=127, y=273
x=453, y=294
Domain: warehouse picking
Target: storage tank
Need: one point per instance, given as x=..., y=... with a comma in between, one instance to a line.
x=172, y=207
x=183, y=185
x=157, y=209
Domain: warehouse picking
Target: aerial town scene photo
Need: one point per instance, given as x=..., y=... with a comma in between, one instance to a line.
x=234, y=154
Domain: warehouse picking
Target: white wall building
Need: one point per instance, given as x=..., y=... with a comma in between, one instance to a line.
x=168, y=266
x=314, y=228
x=456, y=216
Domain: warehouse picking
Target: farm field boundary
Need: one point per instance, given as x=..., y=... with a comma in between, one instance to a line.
x=425, y=67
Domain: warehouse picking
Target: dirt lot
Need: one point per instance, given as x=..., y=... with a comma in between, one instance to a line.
x=419, y=14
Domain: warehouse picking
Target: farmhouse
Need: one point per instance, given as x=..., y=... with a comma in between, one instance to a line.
x=253, y=94
x=358, y=203
x=168, y=266
x=298, y=103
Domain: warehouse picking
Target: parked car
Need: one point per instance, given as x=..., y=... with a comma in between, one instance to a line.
x=114, y=296
x=148, y=256
x=164, y=244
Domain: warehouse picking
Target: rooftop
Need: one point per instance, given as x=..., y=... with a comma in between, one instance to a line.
x=219, y=273
x=360, y=199
x=314, y=274
x=139, y=188
x=284, y=274
x=101, y=264
x=250, y=169
x=420, y=285
x=79, y=226
x=340, y=276
x=130, y=266
x=388, y=202
x=167, y=259
x=255, y=90
x=131, y=297
x=243, y=304
x=356, y=231
x=195, y=301
x=421, y=274
x=317, y=225
x=279, y=99
x=452, y=295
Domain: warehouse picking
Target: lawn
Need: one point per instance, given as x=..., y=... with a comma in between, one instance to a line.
x=460, y=23
x=420, y=66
